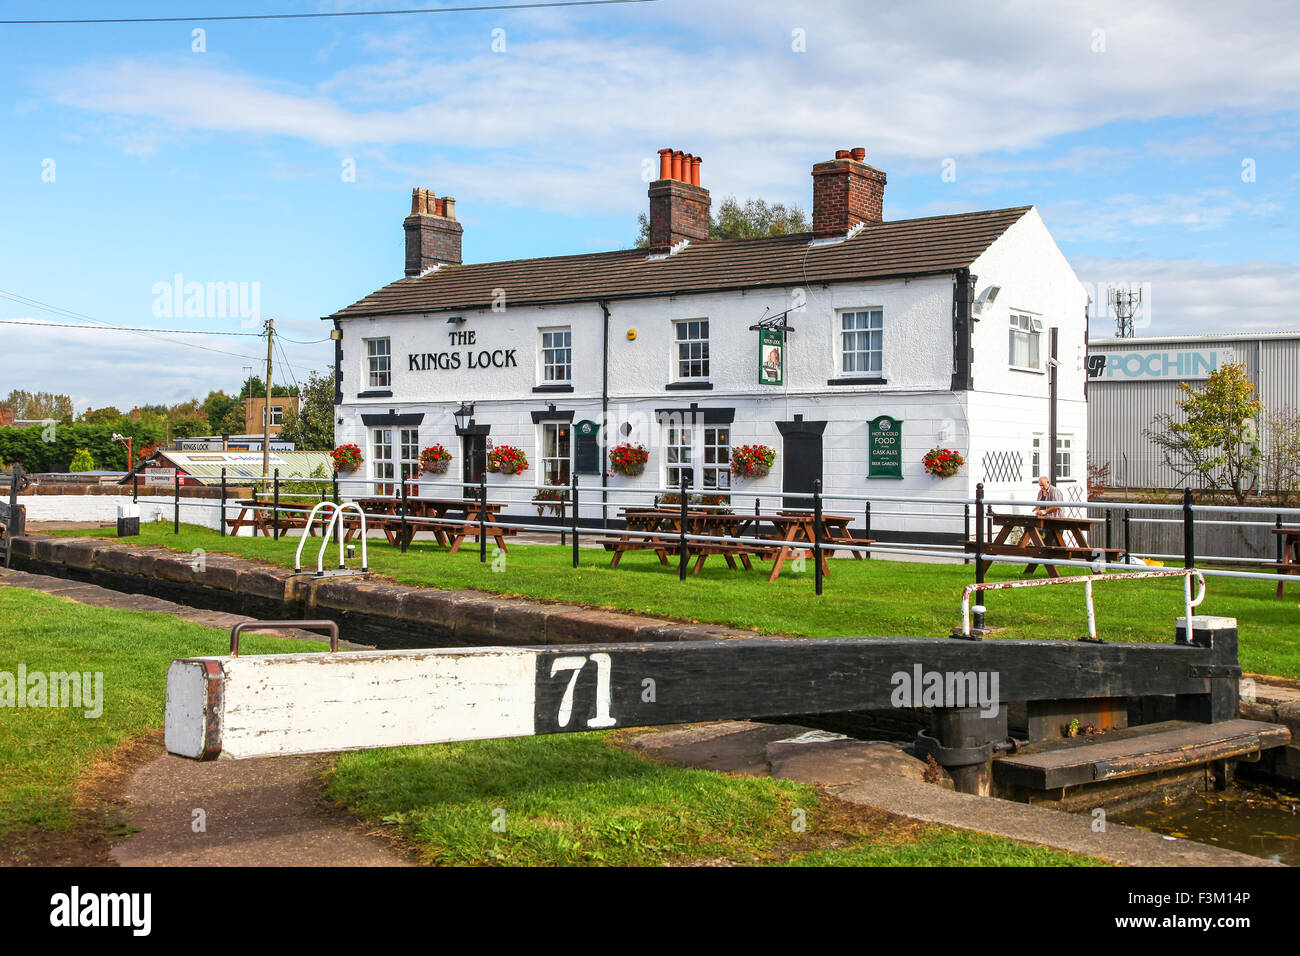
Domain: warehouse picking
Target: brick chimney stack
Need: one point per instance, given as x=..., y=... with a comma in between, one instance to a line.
x=679, y=207
x=846, y=191
x=432, y=232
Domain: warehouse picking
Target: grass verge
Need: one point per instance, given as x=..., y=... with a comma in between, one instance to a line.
x=59, y=766
x=861, y=597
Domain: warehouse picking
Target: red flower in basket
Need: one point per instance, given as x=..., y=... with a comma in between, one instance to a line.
x=943, y=462
x=347, y=458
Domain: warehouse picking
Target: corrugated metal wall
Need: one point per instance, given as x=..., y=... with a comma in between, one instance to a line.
x=1119, y=412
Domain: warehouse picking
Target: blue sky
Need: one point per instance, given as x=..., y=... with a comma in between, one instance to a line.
x=1157, y=139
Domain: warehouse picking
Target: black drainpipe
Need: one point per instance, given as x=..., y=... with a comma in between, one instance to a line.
x=604, y=416
x=1051, y=404
x=963, y=353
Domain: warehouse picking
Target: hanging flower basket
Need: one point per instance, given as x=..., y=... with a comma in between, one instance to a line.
x=507, y=460
x=435, y=460
x=943, y=462
x=626, y=459
x=752, y=461
x=347, y=458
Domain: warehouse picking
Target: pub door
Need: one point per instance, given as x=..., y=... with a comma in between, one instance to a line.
x=473, y=462
x=802, y=459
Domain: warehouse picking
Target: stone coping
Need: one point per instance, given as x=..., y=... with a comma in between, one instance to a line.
x=470, y=617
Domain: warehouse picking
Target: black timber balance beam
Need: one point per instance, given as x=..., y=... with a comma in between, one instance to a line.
x=268, y=705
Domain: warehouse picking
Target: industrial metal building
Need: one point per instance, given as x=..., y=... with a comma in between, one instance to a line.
x=1132, y=380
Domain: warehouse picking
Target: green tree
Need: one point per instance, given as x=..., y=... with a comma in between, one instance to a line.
x=256, y=387
x=311, y=427
x=39, y=406
x=233, y=423
x=1214, y=435
x=753, y=219
x=108, y=415
x=216, y=406
x=82, y=461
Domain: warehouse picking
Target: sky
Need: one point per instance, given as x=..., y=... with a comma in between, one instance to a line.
x=1157, y=139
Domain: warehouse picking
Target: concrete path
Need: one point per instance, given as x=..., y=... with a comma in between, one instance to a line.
x=241, y=813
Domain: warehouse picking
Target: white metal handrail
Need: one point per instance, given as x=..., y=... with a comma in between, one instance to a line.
x=306, y=532
x=336, y=519
x=1087, y=580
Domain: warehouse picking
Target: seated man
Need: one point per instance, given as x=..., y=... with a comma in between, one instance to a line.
x=1048, y=492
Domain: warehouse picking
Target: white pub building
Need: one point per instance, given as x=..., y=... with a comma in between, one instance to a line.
x=851, y=351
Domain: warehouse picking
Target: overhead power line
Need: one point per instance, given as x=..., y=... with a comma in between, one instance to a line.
x=95, y=323
x=323, y=16
x=121, y=328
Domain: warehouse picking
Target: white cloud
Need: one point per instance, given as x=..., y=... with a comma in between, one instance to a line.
x=559, y=106
x=1186, y=296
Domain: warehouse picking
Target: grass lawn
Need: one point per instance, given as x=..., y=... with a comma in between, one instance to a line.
x=862, y=598
x=578, y=800
x=46, y=753
x=573, y=799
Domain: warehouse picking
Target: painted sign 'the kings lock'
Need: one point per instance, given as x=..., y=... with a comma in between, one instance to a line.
x=467, y=358
x=1184, y=364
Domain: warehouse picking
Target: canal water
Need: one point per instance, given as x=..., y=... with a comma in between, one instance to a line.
x=1250, y=818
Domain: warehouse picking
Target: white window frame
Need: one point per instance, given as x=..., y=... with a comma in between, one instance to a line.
x=1064, y=458
x=872, y=312
x=1036, y=456
x=565, y=462
x=403, y=457
x=277, y=414
x=703, y=450
x=547, y=355
x=679, y=343
x=379, y=374
x=381, y=460
x=1022, y=323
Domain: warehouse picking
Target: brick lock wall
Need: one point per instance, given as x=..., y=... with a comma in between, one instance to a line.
x=677, y=211
x=845, y=193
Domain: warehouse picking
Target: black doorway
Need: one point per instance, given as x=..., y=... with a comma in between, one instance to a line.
x=801, y=459
x=473, y=462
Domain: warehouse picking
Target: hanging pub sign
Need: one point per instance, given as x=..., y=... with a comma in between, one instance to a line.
x=771, y=357
x=586, y=459
x=885, y=447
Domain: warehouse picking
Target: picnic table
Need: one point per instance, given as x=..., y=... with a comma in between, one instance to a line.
x=1042, y=538
x=792, y=535
x=385, y=514
x=262, y=519
x=1290, y=563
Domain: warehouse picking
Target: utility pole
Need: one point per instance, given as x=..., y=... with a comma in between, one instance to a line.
x=266, y=409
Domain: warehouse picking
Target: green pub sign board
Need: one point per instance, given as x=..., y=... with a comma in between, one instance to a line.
x=885, y=448
x=771, y=357
x=586, y=458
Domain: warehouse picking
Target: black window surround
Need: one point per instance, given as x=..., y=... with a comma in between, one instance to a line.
x=857, y=381
x=377, y=393
x=688, y=386
x=799, y=426
x=694, y=414
x=552, y=415
x=553, y=388
x=392, y=418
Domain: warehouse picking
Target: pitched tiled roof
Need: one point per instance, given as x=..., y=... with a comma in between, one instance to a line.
x=903, y=248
